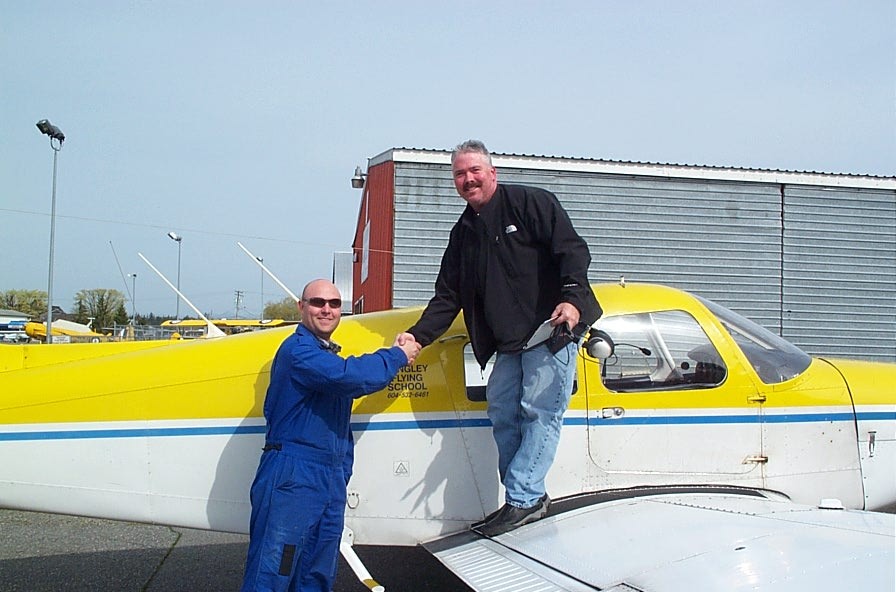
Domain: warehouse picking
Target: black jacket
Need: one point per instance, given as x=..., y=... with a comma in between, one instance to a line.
x=507, y=268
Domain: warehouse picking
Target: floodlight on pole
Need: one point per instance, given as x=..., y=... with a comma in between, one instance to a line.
x=48, y=129
x=177, y=238
x=56, y=139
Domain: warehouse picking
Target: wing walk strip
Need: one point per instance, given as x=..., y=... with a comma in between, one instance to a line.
x=487, y=566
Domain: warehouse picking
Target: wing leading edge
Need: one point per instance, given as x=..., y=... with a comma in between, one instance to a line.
x=682, y=541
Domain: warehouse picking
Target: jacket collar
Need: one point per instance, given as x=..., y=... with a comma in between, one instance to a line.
x=327, y=345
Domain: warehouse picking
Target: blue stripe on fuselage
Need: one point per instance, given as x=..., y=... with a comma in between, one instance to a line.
x=665, y=420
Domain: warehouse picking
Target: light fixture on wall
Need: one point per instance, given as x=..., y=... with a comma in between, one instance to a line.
x=358, y=178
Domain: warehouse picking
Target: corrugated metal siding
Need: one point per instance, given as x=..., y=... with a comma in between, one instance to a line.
x=717, y=239
x=839, y=289
x=706, y=237
x=342, y=277
x=426, y=207
x=815, y=264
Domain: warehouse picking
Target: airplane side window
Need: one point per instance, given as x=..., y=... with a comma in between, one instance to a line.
x=665, y=350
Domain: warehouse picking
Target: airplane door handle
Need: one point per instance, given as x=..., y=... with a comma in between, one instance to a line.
x=612, y=412
x=452, y=338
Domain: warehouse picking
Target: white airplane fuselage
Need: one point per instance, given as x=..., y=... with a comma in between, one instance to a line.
x=172, y=433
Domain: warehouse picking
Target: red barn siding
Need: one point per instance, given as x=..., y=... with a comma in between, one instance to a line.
x=375, y=292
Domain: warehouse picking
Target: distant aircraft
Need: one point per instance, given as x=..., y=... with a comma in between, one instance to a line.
x=678, y=397
x=190, y=328
x=64, y=332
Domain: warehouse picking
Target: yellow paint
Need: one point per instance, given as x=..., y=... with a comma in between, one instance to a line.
x=227, y=377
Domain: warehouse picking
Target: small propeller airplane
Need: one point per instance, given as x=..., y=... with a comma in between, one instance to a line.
x=700, y=451
x=64, y=332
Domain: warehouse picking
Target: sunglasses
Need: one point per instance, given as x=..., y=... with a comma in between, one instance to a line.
x=321, y=302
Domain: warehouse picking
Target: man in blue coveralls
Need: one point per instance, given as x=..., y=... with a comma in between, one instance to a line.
x=299, y=493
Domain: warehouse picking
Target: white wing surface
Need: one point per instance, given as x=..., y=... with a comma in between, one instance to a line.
x=664, y=542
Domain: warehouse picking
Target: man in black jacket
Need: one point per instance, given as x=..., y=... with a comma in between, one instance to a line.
x=513, y=261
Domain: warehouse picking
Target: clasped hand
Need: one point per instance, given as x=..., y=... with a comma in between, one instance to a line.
x=408, y=345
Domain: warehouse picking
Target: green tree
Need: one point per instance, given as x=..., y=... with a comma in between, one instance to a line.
x=121, y=315
x=285, y=309
x=30, y=302
x=81, y=313
x=106, y=307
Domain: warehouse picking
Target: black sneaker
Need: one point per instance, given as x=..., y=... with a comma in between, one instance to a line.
x=510, y=517
x=489, y=518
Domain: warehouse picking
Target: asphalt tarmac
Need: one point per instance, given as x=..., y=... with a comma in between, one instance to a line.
x=53, y=553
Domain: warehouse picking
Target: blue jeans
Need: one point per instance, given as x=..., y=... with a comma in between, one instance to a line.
x=527, y=394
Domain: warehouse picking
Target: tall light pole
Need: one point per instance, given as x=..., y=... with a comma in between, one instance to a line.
x=54, y=133
x=133, y=277
x=177, y=238
x=261, y=260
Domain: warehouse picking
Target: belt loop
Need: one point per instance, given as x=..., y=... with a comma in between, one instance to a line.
x=272, y=447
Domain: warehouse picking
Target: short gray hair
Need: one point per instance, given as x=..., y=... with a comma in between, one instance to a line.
x=471, y=146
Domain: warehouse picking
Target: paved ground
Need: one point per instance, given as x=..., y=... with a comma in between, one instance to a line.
x=52, y=553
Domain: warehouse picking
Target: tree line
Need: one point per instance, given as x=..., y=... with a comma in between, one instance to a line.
x=107, y=308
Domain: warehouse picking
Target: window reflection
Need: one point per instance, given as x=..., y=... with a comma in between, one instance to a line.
x=659, y=351
x=772, y=357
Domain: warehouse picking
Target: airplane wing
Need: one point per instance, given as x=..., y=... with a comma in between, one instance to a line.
x=655, y=541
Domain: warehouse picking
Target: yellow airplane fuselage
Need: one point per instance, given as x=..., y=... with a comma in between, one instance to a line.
x=171, y=432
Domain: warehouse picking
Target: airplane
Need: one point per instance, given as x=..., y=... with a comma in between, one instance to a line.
x=188, y=328
x=64, y=332
x=684, y=414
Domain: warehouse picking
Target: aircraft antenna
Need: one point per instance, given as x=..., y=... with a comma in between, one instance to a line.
x=211, y=329
x=258, y=262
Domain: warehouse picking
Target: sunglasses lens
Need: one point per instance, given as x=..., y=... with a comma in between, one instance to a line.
x=320, y=302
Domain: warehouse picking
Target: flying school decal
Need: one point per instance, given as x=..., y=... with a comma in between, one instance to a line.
x=409, y=383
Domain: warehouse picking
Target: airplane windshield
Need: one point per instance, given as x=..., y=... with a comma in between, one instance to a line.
x=773, y=358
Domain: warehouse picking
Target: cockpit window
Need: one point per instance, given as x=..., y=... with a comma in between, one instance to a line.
x=660, y=351
x=773, y=358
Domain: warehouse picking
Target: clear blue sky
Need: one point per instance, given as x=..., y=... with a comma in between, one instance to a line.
x=243, y=121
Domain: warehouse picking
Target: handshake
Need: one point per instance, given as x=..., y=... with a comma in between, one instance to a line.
x=408, y=345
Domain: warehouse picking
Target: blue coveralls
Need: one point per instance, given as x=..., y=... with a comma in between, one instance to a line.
x=298, y=496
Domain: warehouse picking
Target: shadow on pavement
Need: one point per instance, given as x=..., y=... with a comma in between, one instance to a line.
x=52, y=553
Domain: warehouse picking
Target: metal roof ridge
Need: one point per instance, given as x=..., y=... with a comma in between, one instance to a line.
x=510, y=156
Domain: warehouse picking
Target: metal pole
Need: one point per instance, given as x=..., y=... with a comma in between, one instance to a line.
x=54, y=133
x=261, y=260
x=177, y=238
x=133, y=298
x=177, y=309
x=52, y=245
x=268, y=271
